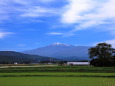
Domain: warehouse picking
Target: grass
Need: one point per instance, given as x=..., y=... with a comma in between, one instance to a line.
x=56, y=81
x=60, y=74
x=60, y=69
x=57, y=76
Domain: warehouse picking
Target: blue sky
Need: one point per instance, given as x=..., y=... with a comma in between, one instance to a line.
x=29, y=24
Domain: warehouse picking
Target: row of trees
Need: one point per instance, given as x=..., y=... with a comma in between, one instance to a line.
x=102, y=55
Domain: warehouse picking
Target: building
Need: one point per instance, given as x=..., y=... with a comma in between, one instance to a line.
x=78, y=63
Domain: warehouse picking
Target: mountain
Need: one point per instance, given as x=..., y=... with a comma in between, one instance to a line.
x=12, y=57
x=62, y=51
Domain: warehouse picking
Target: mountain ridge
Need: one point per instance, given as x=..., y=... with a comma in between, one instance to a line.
x=12, y=57
x=61, y=51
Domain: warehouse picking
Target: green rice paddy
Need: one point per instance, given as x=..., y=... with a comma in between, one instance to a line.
x=78, y=76
x=56, y=81
x=60, y=74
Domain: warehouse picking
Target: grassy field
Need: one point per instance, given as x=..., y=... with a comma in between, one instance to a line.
x=57, y=76
x=59, y=69
x=56, y=81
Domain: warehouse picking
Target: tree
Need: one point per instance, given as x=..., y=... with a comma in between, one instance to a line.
x=102, y=55
x=61, y=63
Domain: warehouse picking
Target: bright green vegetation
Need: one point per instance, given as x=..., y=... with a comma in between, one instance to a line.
x=88, y=69
x=58, y=76
x=56, y=81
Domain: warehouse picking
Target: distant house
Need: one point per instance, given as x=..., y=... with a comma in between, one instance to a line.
x=15, y=63
x=78, y=63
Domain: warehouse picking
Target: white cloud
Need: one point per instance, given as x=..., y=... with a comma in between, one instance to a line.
x=4, y=34
x=74, y=10
x=88, y=13
x=37, y=11
x=55, y=33
x=62, y=34
x=82, y=14
x=19, y=9
x=112, y=42
x=34, y=12
x=43, y=1
x=46, y=1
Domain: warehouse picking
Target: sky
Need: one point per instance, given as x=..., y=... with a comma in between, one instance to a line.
x=30, y=24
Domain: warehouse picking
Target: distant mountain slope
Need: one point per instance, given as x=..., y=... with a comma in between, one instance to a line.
x=11, y=56
x=62, y=51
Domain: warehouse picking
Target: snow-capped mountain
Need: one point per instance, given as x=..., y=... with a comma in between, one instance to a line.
x=62, y=51
x=59, y=44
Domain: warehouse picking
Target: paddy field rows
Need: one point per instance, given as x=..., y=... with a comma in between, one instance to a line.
x=56, y=81
x=65, y=76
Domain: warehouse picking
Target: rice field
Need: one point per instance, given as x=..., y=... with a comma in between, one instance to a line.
x=64, y=76
x=88, y=69
x=56, y=81
x=74, y=74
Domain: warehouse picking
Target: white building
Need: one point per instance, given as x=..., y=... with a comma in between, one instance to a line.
x=15, y=63
x=78, y=63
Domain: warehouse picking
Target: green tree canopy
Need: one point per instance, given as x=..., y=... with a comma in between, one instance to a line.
x=102, y=50
x=102, y=54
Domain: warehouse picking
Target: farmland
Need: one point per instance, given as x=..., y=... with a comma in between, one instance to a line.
x=42, y=68
x=64, y=76
x=56, y=81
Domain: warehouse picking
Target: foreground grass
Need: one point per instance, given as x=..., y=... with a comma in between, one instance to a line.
x=56, y=81
x=57, y=76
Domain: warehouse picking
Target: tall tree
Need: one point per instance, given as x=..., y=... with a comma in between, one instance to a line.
x=101, y=54
x=102, y=50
